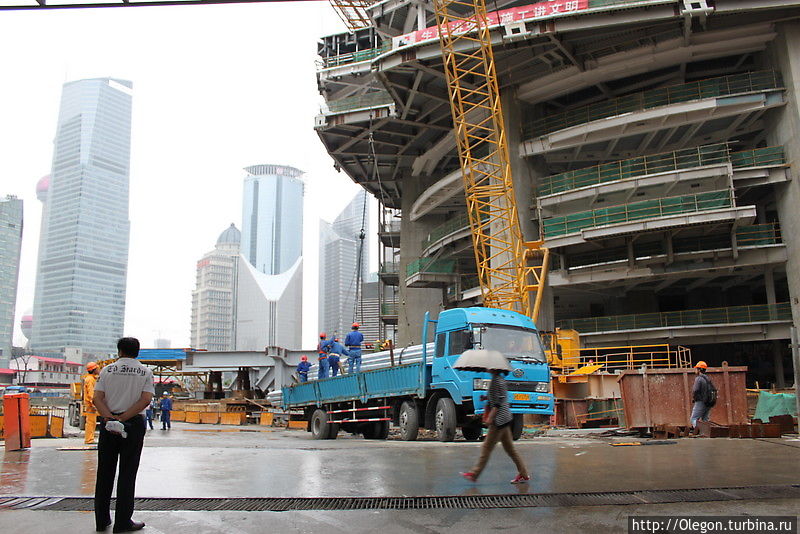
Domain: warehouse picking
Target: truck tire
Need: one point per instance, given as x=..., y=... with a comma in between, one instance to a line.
x=516, y=426
x=320, y=428
x=376, y=430
x=334, y=430
x=472, y=431
x=408, y=421
x=445, y=418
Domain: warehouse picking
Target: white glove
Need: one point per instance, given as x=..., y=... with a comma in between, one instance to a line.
x=116, y=427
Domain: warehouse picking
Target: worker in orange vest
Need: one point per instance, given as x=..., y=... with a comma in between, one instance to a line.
x=89, y=411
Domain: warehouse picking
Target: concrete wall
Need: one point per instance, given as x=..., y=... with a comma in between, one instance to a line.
x=784, y=129
x=414, y=302
x=525, y=171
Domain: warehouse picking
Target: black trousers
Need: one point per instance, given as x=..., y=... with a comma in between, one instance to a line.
x=112, y=448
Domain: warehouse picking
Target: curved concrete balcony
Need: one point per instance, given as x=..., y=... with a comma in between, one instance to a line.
x=430, y=272
x=359, y=108
x=666, y=109
x=660, y=175
x=710, y=325
x=704, y=258
x=440, y=196
x=647, y=216
x=451, y=231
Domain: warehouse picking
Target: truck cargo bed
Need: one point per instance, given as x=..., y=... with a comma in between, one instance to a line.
x=388, y=382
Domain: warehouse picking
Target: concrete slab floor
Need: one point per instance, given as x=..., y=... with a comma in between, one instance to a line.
x=205, y=461
x=605, y=519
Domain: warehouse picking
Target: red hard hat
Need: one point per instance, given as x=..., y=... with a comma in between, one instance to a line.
x=322, y=335
x=91, y=366
x=304, y=358
x=356, y=325
x=336, y=339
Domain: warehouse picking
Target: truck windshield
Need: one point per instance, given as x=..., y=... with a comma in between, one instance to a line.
x=514, y=343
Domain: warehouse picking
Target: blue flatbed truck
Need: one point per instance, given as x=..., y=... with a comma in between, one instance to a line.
x=430, y=393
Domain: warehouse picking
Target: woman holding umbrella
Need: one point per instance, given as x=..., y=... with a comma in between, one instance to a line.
x=497, y=413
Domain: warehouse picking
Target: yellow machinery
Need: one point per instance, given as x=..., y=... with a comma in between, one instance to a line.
x=76, y=397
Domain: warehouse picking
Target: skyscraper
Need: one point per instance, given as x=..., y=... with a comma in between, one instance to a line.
x=270, y=281
x=214, y=297
x=272, y=217
x=83, y=260
x=340, y=254
x=10, y=243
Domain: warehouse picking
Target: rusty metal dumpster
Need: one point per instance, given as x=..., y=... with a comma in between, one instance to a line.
x=664, y=396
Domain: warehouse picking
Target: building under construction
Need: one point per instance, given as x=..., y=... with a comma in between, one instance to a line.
x=651, y=144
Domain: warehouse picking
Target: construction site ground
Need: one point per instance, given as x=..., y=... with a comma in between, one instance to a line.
x=222, y=462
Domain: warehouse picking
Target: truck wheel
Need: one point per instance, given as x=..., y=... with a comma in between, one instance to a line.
x=409, y=421
x=368, y=431
x=377, y=430
x=445, y=419
x=516, y=426
x=472, y=432
x=334, y=430
x=320, y=428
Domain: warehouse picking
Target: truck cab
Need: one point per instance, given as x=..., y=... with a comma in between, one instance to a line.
x=512, y=334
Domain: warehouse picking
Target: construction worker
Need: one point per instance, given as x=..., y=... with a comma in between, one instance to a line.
x=302, y=368
x=704, y=395
x=337, y=350
x=353, y=343
x=89, y=411
x=166, y=408
x=323, y=348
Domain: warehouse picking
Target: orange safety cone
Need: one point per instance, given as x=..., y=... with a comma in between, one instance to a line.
x=16, y=422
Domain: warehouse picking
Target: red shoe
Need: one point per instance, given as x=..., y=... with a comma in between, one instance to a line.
x=520, y=479
x=469, y=475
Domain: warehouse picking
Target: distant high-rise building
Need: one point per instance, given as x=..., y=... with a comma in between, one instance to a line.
x=272, y=217
x=369, y=311
x=342, y=266
x=270, y=287
x=83, y=258
x=10, y=246
x=214, y=297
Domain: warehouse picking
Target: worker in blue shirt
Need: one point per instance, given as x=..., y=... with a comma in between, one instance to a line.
x=303, y=368
x=323, y=348
x=337, y=350
x=353, y=343
x=166, y=408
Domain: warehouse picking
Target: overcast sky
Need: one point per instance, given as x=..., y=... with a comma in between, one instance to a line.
x=216, y=88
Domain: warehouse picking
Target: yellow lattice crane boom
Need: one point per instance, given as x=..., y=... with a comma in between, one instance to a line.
x=509, y=268
x=353, y=12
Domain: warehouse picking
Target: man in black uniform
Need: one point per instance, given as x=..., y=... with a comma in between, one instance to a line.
x=122, y=394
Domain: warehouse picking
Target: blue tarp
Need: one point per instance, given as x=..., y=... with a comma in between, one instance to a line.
x=162, y=354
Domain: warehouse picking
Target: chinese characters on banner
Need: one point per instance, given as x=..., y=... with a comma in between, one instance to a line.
x=514, y=14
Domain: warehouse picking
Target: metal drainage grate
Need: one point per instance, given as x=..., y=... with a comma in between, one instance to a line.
x=529, y=500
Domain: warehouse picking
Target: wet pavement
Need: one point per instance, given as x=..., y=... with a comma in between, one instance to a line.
x=204, y=461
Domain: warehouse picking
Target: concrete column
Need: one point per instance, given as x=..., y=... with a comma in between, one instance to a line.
x=525, y=173
x=414, y=302
x=784, y=129
x=777, y=356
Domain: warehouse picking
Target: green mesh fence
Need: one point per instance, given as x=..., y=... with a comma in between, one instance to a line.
x=733, y=314
x=653, y=98
x=646, y=209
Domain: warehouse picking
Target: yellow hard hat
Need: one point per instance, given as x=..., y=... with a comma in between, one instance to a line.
x=701, y=365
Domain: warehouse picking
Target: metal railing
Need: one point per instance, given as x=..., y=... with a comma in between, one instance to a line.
x=389, y=267
x=646, y=209
x=734, y=314
x=653, y=98
x=391, y=227
x=689, y=158
x=355, y=57
x=429, y=265
x=457, y=223
x=388, y=309
x=746, y=236
x=369, y=100
x=620, y=358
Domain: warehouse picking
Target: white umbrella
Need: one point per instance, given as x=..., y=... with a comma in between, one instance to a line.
x=482, y=360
